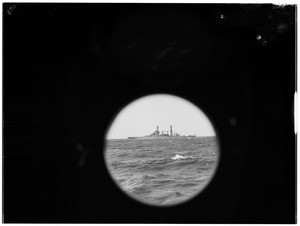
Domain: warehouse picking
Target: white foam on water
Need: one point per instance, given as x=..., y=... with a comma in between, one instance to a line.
x=181, y=157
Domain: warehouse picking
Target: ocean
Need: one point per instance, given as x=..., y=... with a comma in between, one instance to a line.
x=162, y=172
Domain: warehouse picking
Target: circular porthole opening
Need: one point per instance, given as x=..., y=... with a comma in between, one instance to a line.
x=161, y=150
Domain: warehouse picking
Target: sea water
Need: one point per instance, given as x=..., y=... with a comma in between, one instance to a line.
x=162, y=171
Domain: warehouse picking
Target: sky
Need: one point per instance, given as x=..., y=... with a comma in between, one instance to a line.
x=141, y=117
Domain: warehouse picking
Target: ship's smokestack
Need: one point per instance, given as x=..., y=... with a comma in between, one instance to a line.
x=171, y=132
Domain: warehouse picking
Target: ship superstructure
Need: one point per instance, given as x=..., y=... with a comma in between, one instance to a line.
x=163, y=134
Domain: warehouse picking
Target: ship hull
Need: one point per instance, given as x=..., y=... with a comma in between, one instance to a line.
x=151, y=138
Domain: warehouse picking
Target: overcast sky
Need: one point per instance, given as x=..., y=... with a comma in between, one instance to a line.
x=141, y=117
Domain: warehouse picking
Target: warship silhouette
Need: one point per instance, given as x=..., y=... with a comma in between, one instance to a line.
x=163, y=134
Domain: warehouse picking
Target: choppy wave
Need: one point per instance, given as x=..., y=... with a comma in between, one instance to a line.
x=151, y=164
x=178, y=157
x=159, y=171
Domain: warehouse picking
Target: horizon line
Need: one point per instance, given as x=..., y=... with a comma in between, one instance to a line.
x=146, y=137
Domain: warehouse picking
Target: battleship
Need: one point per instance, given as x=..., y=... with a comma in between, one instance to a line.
x=163, y=134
